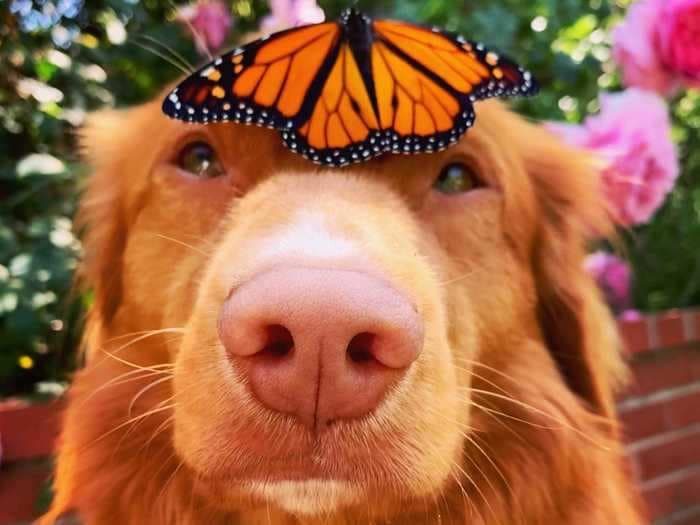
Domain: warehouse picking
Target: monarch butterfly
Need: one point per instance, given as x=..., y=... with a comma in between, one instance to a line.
x=346, y=91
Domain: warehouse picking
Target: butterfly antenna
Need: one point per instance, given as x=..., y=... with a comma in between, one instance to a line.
x=160, y=54
x=174, y=54
x=195, y=32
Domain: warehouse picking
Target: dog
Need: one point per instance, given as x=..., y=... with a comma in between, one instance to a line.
x=411, y=340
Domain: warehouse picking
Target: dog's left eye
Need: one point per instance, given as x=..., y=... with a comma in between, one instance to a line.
x=199, y=158
x=456, y=178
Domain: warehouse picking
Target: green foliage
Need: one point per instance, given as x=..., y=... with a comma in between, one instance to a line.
x=665, y=253
x=115, y=53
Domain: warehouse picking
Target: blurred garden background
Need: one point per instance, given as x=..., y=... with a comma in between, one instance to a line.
x=617, y=77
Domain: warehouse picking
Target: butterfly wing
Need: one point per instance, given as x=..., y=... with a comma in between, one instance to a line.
x=461, y=65
x=417, y=113
x=343, y=125
x=399, y=109
x=422, y=86
x=340, y=97
x=269, y=82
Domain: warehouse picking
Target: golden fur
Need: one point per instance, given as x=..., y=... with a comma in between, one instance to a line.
x=506, y=418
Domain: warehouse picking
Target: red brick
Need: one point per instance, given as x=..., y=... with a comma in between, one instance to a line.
x=663, y=369
x=670, y=329
x=688, y=516
x=660, y=415
x=672, y=493
x=20, y=486
x=695, y=361
x=643, y=422
x=634, y=335
x=28, y=431
x=693, y=320
x=683, y=411
x=675, y=452
x=688, y=520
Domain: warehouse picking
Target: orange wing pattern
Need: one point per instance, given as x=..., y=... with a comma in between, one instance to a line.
x=461, y=65
x=343, y=115
x=346, y=91
x=343, y=126
x=265, y=82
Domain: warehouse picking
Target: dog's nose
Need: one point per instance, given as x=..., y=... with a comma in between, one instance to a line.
x=321, y=344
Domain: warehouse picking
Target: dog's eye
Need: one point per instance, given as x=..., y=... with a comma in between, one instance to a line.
x=199, y=158
x=456, y=178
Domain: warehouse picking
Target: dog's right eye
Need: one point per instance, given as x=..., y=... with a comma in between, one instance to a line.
x=199, y=159
x=456, y=178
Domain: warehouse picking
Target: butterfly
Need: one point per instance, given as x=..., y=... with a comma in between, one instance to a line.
x=350, y=90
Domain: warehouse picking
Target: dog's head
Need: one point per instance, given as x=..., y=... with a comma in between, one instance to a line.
x=357, y=339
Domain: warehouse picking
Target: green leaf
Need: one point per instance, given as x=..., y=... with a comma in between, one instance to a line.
x=45, y=70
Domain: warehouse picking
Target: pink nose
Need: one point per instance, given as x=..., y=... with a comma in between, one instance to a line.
x=321, y=344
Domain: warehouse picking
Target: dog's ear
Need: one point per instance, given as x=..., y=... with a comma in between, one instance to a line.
x=577, y=326
x=569, y=212
x=102, y=218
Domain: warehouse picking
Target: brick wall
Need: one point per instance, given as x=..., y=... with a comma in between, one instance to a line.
x=28, y=434
x=660, y=412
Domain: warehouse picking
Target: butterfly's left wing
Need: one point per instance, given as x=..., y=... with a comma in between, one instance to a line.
x=266, y=82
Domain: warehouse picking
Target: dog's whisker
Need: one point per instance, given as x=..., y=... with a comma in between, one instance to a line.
x=541, y=412
x=563, y=424
x=514, y=418
x=182, y=243
x=126, y=377
x=162, y=55
x=170, y=479
x=159, y=429
x=156, y=331
x=481, y=377
x=496, y=371
x=493, y=414
x=463, y=492
x=195, y=32
x=145, y=389
x=456, y=279
x=468, y=437
x=133, y=420
x=127, y=362
x=476, y=485
x=186, y=63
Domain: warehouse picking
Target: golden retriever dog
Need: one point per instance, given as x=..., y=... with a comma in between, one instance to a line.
x=412, y=340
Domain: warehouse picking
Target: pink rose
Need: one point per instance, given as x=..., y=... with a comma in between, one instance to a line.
x=679, y=38
x=635, y=49
x=613, y=276
x=632, y=135
x=290, y=13
x=209, y=22
x=658, y=45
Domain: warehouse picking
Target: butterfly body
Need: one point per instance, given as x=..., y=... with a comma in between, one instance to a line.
x=357, y=31
x=346, y=91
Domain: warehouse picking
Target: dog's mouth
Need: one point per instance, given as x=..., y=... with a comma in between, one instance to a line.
x=349, y=452
x=309, y=475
